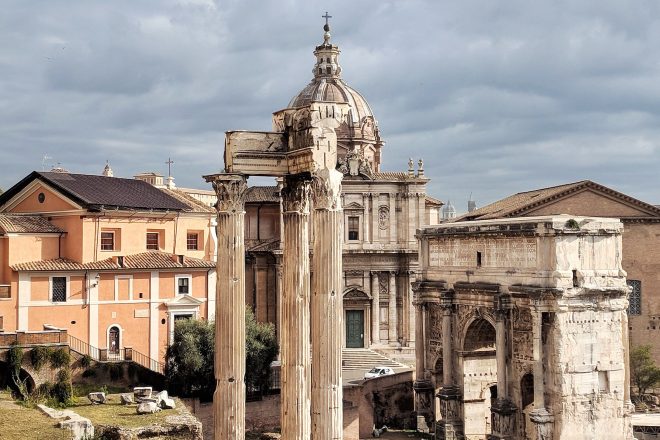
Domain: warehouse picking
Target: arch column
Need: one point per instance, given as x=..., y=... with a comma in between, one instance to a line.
x=229, y=395
x=540, y=415
x=503, y=411
x=451, y=425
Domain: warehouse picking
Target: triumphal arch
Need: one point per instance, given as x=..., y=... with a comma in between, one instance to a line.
x=522, y=330
x=302, y=150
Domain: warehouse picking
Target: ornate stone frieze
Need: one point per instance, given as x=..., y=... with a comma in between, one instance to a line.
x=383, y=283
x=326, y=190
x=295, y=194
x=230, y=189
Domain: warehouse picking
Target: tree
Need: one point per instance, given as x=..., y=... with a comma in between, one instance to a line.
x=643, y=371
x=189, y=360
x=261, y=350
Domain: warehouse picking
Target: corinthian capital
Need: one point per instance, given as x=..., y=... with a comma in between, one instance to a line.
x=230, y=189
x=326, y=189
x=295, y=194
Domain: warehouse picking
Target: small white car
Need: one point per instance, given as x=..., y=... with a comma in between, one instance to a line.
x=377, y=372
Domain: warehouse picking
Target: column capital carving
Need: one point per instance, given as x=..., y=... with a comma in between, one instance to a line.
x=295, y=194
x=326, y=190
x=230, y=190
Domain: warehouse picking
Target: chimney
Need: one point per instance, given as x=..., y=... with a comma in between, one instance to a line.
x=118, y=260
x=179, y=258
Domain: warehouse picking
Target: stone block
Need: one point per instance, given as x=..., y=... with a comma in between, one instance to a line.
x=126, y=399
x=142, y=393
x=160, y=397
x=167, y=403
x=97, y=398
x=147, y=408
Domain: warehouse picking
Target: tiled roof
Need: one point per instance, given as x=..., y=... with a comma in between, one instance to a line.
x=261, y=194
x=145, y=260
x=519, y=203
x=101, y=192
x=433, y=201
x=194, y=205
x=26, y=224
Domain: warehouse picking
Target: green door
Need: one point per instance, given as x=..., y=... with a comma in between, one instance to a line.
x=354, y=328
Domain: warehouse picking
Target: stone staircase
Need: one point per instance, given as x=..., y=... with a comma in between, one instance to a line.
x=365, y=359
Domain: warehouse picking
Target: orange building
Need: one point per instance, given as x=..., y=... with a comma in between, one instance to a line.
x=114, y=261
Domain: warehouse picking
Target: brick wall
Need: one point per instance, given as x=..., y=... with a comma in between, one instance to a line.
x=34, y=338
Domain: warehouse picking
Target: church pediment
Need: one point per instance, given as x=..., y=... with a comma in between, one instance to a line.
x=356, y=294
x=184, y=301
x=354, y=206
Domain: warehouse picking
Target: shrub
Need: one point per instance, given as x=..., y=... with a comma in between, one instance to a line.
x=39, y=356
x=89, y=373
x=44, y=390
x=133, y=371
x=62, y=391
x=60, y=358
x=86, y=361
x=572, y=224
x=15, y=358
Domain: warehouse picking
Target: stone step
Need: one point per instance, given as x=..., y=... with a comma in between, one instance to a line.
x=365, y=359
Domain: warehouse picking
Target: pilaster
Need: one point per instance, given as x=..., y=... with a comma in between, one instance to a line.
x=393, y=321
x=375, y=309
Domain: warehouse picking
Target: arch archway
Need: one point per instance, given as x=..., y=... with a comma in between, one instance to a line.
x=479, y=375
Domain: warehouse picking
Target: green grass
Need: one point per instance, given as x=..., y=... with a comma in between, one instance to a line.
x=18, y=422
x=83, y=389
x=113, y=413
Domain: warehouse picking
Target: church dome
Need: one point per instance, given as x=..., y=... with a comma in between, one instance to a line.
x=359, y=134
x=333, y=90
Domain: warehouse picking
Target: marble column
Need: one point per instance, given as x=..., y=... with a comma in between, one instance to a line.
x=295, y=348
x=327, y=307
x=503, y=410
x=540, y=416
x=229, y=396
x=451, y=425
x=279, y=280
x=393, y=321
x=375, y=309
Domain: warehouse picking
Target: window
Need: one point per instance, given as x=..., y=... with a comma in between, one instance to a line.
x=192, y=241
x=58, y=289
x=478, y=259
x=354, y=228
x=5, y=292
x=183, y=285
x=153, y=241
x=107, y=241
x=635, y=298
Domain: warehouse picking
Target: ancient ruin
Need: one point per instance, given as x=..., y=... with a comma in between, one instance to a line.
x=522, y=329
x=302, y=150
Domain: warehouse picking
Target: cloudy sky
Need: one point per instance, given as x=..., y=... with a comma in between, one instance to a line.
x=497, y=96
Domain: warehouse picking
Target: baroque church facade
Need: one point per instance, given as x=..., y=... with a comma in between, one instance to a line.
x=382, y=211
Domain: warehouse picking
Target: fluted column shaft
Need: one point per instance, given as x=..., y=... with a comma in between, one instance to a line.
x=327, y=307
x=393, y=321
x=412, y=327
x=229, y=396
x=537, y=353
x=446, y=347
x=419, y=341
x=295, y=348
x=375, y=309
x=500, y=354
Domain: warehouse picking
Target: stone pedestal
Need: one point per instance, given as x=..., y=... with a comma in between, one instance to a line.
x=424, y=398
x=503, y=416
x=229, y=396
x=544, y=422
x=451, y=425
x=327, y=307
x=295, y=348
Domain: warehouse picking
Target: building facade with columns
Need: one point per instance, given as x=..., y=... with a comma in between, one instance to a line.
x=381, y=211
x=522, y=329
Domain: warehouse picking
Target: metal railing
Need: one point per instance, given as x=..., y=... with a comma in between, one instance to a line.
x=124, y=354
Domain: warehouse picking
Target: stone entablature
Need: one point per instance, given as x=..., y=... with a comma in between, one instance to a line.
x=503, y=303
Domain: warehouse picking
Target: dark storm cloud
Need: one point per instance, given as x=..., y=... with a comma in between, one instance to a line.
x=497, y=97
